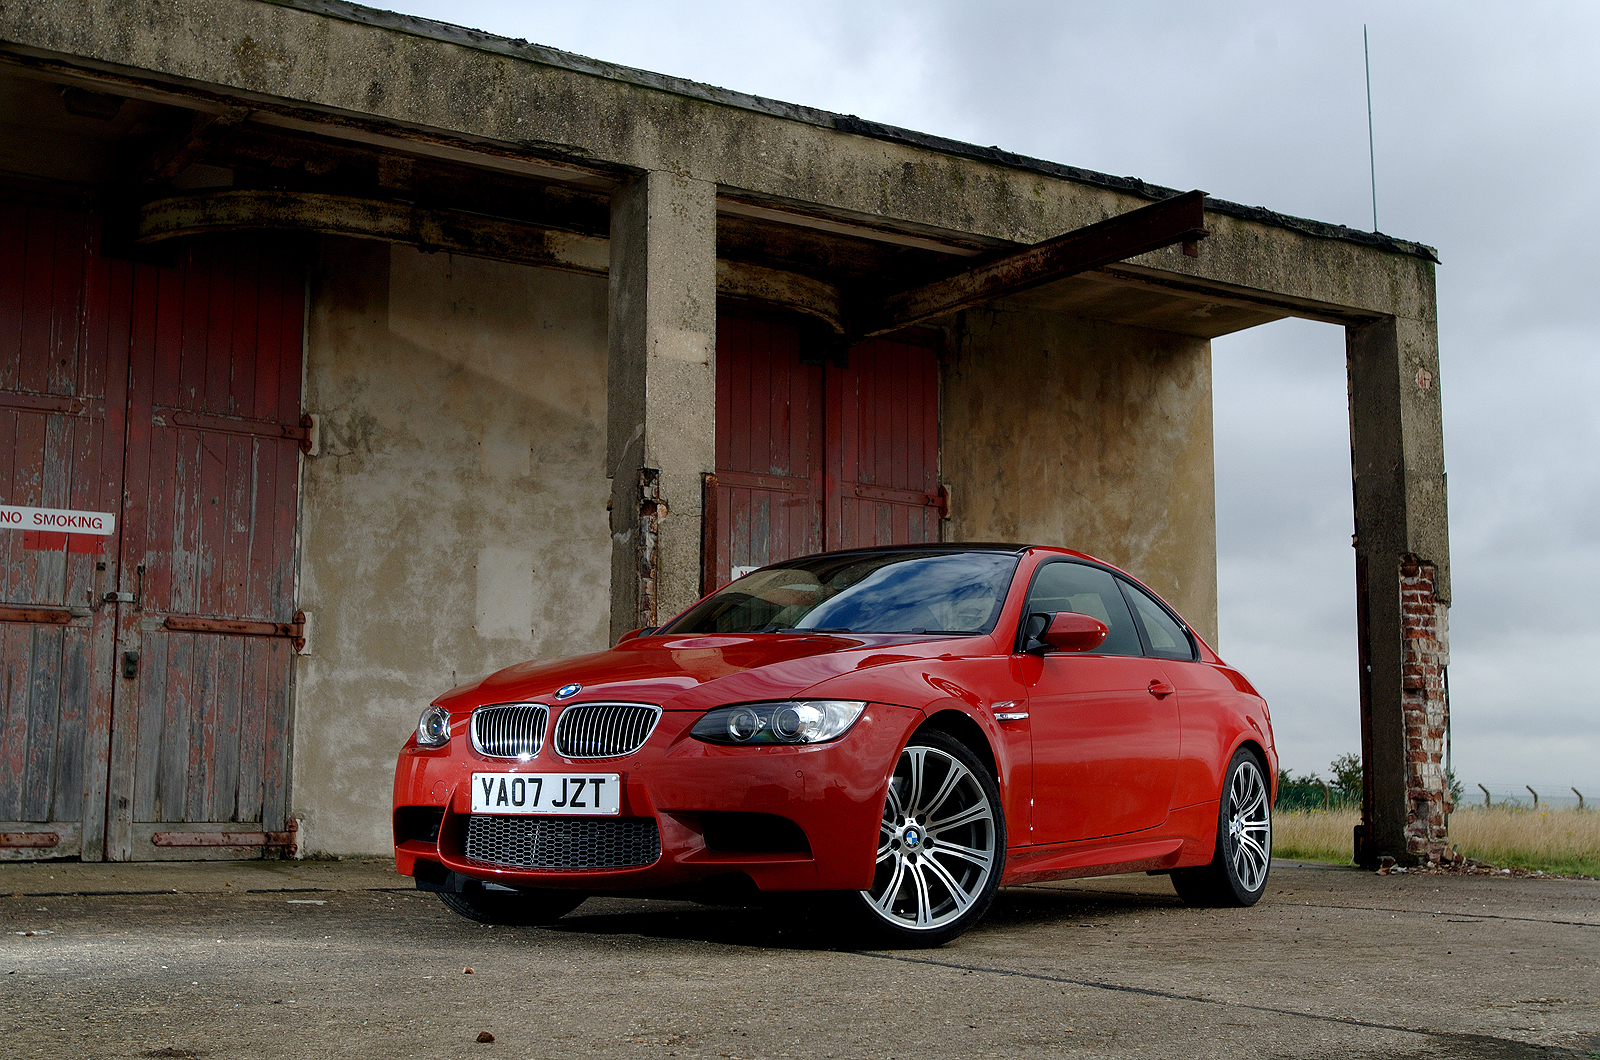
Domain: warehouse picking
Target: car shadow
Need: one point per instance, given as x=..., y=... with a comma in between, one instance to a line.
x=803, y=922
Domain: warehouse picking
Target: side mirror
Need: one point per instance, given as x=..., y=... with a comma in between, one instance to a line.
x=635, y=633
x=1071, y=631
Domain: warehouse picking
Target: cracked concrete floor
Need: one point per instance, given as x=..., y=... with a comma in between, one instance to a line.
x=340, y=959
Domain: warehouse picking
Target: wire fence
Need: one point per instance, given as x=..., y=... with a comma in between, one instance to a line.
x=1529, y=796
x=1307, y=797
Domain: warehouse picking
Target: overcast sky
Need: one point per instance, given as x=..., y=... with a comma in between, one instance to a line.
x=1487, y=138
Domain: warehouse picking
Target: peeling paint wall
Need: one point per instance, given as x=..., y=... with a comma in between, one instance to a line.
x=1064, y=431
x=455, y=517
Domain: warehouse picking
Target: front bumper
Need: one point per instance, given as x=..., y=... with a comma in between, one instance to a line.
x=832, y=792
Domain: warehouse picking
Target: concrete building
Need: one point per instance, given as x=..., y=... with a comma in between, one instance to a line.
x=390, y=352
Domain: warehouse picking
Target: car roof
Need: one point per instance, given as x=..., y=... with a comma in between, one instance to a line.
x=1009, y=548
x=930, y=546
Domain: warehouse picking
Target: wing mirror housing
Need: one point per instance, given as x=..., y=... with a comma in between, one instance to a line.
x=1065, y=631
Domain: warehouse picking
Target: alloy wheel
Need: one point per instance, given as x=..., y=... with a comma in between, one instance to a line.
x=936, y=843
x=1249, y=825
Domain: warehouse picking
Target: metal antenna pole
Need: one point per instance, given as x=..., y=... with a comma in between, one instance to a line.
x=1372, y=155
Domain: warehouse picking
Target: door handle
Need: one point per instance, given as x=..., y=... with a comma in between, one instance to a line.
x=1160, y=689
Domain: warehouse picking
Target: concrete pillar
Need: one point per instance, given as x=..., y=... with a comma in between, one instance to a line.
x=662, y=391
x=1402, y=585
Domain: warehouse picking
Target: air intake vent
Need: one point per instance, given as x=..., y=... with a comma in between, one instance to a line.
x=512, y=731
x=604, y=730
x=563, y=843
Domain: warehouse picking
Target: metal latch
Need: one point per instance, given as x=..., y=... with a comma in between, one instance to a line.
x=130, y=664
x=118, y=598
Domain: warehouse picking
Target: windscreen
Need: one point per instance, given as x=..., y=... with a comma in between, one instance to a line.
x=875, y=592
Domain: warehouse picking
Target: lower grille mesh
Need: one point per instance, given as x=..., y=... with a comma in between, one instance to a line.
x=563, y=842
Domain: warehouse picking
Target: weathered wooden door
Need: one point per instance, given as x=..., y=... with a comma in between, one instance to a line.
x=814, y=456
x=883, y=447
x=204, y=652
x=768, y=499
x=63, y=378
x=147, y=670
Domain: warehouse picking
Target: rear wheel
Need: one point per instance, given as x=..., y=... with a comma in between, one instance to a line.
x=1237, y=875
x=476, y=902
x=941, y=846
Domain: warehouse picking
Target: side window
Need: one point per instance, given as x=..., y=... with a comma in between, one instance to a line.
x=1167, y=638
x=1067, y=586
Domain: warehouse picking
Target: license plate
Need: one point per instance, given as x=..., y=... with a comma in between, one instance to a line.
x=580, y=794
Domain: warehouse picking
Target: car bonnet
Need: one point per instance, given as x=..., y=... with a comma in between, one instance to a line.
x=697, y=672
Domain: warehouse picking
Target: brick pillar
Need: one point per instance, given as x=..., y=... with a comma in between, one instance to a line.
x=1425, y=626
x=1402, y=584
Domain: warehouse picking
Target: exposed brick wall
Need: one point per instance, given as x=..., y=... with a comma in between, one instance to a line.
x=1427, y=653
x=652, y=510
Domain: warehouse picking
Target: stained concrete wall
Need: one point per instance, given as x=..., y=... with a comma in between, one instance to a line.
x=455, y=517
x=1064, y=431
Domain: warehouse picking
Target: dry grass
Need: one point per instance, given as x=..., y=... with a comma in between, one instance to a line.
x=1315, y=835
x=1565, y=841
x=1561, y=841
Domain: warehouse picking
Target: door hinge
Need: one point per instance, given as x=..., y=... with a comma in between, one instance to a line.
x=296, y=631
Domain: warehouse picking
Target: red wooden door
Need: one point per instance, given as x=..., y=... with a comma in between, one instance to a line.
x=768, y=502
x=145, y=673
x=63, y=372
x=812, y=457
x=200, y=751
x=883, y=447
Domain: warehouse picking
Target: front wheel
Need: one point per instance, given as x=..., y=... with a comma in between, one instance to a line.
x=941, y=846
x=520, y=908
x=1237, y=875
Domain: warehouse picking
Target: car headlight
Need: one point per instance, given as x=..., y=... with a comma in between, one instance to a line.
x=433, y=729
x=789, y=721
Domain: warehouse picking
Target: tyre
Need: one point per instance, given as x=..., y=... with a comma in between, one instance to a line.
x=941, y=846
x=476, y=902
x=1237, y=875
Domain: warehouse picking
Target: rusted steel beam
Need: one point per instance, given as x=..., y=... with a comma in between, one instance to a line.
x=1180, y=219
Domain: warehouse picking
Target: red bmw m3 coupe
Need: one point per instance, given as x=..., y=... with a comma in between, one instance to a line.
x=910, y=728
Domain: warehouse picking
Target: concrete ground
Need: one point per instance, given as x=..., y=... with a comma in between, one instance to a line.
x=341, y=959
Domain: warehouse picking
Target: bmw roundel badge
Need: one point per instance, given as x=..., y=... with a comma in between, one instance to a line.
x=568, y=691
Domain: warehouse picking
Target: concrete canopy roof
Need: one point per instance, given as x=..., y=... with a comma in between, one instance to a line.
x=331, y=69
x=848, y=123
